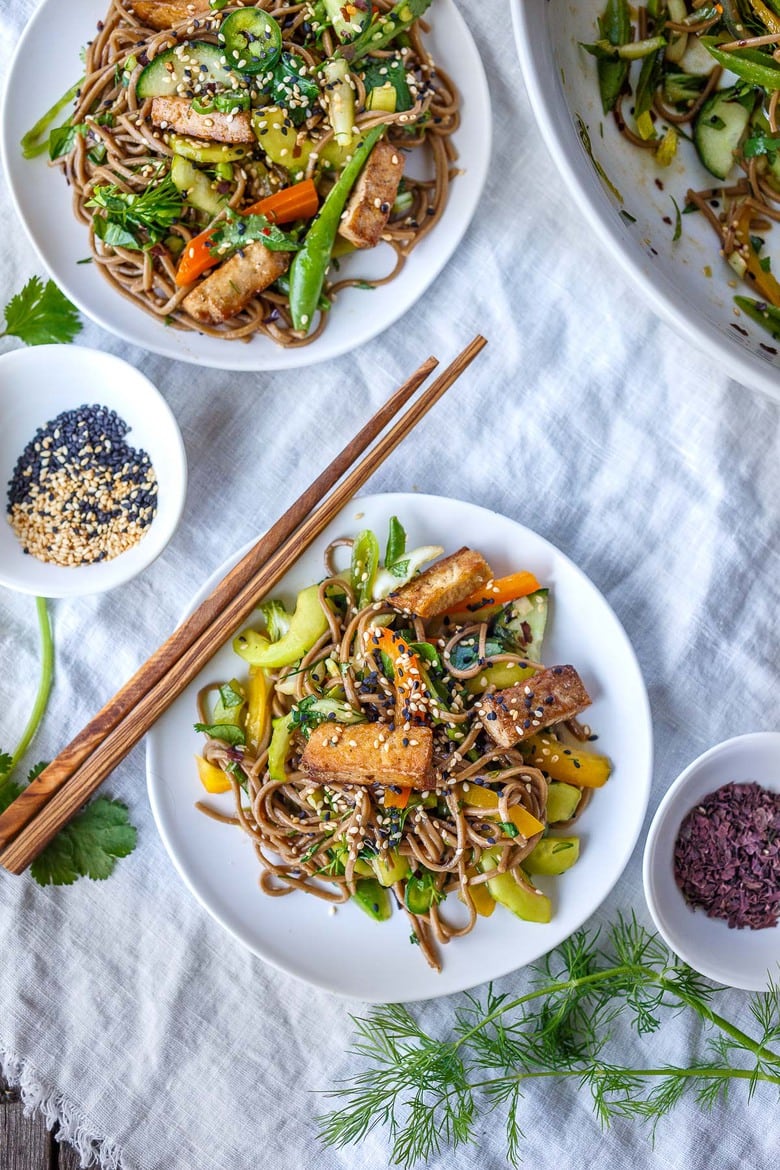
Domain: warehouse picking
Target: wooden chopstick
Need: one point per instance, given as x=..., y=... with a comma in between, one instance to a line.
x=61, y=799
x=26, y=807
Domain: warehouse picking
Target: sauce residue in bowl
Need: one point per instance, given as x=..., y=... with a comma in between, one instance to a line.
x=727, y=855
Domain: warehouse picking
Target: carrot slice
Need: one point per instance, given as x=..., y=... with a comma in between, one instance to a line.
x=498, y=592
x=397, y=799
x=300, y=201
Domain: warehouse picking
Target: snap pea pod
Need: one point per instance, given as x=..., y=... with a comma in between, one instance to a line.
x=282, y=285
x=615, y=27
x=751, y=65
x=307, y=271
x=765, y=315
x=381, y=32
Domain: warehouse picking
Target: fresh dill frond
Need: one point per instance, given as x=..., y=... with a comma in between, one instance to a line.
x=429, y=1092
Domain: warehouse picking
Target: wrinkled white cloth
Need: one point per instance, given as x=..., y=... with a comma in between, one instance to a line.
x=125, y=1011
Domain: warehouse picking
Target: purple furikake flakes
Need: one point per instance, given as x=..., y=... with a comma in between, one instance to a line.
x=727, y=855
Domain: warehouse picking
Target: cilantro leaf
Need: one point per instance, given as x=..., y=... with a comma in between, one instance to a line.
x=6, y=763
x=228, y=732
x=62, y=138
x=136, y=219
x=40, y=314
x=240, y=230
x=36, y=770
x=8, y=794
x=88, y=847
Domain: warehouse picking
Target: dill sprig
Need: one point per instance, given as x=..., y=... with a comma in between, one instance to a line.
x=431, y=1093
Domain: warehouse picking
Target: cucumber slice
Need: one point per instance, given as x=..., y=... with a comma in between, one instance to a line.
x=252, y=40
x=196, y=187
x=347, y=19
x=177, y=71
x=207, y=152
x=553, y=855
x=420, y=892
x=373, y=899
x=562, y=801
x=718, y=130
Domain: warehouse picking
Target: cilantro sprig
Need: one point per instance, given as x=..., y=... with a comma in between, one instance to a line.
x=136, y=221
x=90, y=845
x=41, y=315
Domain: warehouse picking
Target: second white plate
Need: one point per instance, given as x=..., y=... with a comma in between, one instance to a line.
x=348, y=953
x=47, y=64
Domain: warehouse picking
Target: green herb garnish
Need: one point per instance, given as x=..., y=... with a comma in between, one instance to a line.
x=136, y=220
x=435, y=1093
x=41, y=315
x=227, y=732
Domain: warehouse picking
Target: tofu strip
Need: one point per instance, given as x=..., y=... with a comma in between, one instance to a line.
x=368, y=753
x=521, y=711
x=444, y=585
x=230, y=288
x=371, y=202
x=176, y=113
x=162, y=14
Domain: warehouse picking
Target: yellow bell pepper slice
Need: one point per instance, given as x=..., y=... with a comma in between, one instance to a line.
x=212, y=778
x=479, y=797
x=484, y=902
x=258, y=688
x=571, y=765
x=764, y=282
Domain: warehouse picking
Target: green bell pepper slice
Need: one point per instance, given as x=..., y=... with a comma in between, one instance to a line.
x=308, y=624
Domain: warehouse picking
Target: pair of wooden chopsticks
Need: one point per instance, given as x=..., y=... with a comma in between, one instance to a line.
x=55, y=797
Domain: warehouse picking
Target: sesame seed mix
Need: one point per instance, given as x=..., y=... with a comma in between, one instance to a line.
x=79, y=493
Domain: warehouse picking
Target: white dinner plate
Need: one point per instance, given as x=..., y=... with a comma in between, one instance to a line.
x=47, y=64
x=628, y=198
x=348, y=953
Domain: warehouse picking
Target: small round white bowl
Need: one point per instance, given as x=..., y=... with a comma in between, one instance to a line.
x=737, y=958
x=39, y=383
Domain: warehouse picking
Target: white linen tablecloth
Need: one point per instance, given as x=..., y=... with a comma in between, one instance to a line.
x=125, y=1011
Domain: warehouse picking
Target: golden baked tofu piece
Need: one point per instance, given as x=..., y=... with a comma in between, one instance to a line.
x=367, y=753
x=167, y=13
x=444, y=585
x=177, y=114
x=231, y=287
x=371, y=202
x=521, y=711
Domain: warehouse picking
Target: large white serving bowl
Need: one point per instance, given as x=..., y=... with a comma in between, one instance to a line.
x=46, y=65
x=614, y=184
x=745, y=958
x=349, y=953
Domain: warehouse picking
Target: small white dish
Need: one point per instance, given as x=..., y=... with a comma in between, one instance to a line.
x=46, y=64
x=39, y=383
x=737, y=958
x=349, y=954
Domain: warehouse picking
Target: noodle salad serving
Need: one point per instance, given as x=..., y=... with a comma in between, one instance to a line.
x=397, y=733
x=226, y=157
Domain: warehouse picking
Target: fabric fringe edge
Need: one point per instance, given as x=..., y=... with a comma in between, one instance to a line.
x=39, y=1096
